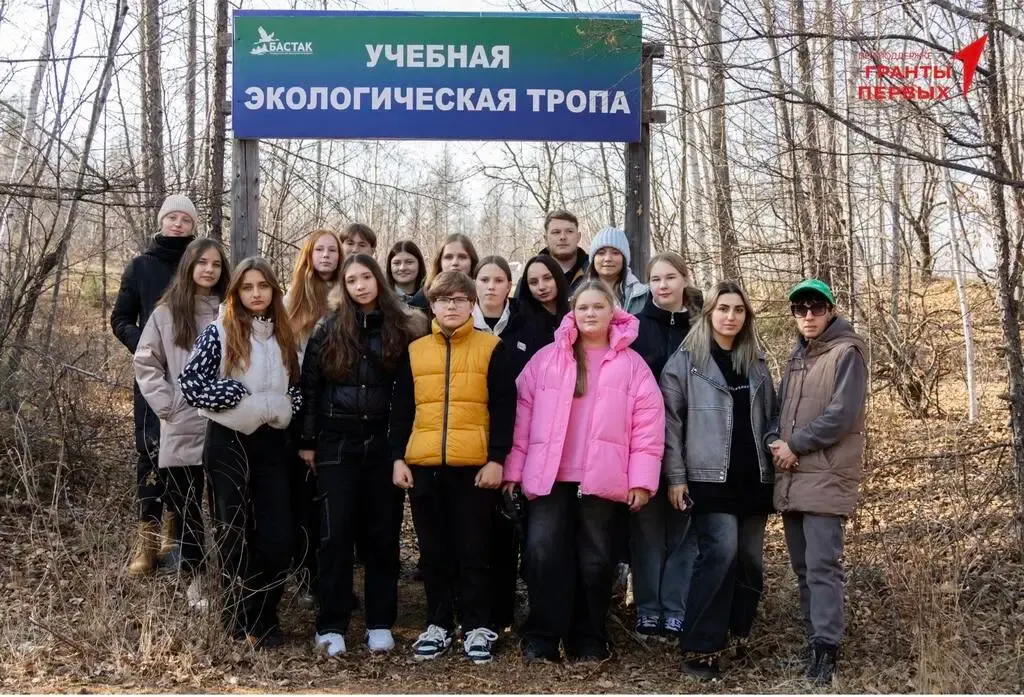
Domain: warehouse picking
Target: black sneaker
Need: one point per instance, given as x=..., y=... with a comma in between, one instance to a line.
x=703, y=667
x=535, y=652
x=673, y=628
x=821, y=667
x=434, y=642
x=589, y=653
x=647, y=625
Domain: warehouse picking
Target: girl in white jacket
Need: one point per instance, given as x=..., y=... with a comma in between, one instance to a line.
x=243, y=375
x=185, y=310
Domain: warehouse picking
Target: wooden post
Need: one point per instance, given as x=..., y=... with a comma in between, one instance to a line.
x=638, y=166
x=245, y=199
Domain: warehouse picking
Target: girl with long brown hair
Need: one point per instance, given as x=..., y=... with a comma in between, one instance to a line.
x=243, y=376
x=456, y=254
x=348, y=382
x=187, y=308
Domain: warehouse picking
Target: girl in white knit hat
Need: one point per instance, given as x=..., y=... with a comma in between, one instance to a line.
x=143, y=282
x=609, y=262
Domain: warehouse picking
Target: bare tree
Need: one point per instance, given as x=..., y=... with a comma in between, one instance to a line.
x=218, y=126
x=727, y=240
x=55, y=258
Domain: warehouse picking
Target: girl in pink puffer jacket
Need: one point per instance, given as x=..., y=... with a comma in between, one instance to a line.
x=589, y=437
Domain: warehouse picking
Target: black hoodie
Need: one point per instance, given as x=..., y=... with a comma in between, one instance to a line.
x=662, y=331
x=577, y=274
x=142, y=284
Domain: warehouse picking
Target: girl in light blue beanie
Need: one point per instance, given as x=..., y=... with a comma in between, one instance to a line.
x=609, y=262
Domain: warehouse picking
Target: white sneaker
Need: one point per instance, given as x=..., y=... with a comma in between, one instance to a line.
x=434, y=642
x=477, y=644
x=378, y=640
x=331, y=643
x=194, y=596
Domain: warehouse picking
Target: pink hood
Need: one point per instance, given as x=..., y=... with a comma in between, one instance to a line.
x=626, y=440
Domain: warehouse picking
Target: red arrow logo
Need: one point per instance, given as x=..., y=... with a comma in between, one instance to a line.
x=970, y=55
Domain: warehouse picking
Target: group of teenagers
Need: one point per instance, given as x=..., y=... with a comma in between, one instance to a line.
x=551, y=431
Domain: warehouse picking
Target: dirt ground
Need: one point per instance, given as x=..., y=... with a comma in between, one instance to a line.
x=935, y=592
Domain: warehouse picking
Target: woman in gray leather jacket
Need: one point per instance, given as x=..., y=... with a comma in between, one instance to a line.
x=719, y=403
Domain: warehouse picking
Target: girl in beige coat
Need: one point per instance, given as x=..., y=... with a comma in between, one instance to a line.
x=186, y=309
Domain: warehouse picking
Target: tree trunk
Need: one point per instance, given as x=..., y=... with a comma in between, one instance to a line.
x=1006, y=273
x=219, y=121
x=801, y=215
x=825, y=225
x=727, y=241
x=190, y=103
x=679, y=85
x=153, y=104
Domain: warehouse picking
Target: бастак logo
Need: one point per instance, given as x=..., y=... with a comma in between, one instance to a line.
x=268, y=43
x=898, y=81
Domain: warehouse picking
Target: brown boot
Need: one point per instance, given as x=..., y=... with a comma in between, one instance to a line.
x=144, y=557
x=168, y=535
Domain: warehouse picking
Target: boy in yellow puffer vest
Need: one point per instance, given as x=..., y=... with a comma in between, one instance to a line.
x=452, y=419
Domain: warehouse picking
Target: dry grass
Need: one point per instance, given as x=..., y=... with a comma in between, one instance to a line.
x=935, y=585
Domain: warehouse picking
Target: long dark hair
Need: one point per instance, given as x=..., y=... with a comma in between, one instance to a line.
x=237, y=321
x=530, y=303
x=342, y=345
x=180, y=296
x=409, y=247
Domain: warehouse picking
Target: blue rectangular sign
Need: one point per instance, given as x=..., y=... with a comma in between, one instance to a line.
x=444, y=76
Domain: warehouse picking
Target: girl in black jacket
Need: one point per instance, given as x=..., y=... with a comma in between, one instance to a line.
x=523, y=333
x=348, y=378
x=662, y=549
x=142, y=285
x=544, y=293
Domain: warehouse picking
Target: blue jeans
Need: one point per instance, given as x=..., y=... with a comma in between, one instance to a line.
x=727, y=580
x=663, y=550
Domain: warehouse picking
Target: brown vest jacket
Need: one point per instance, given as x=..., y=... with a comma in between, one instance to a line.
x=826, y=481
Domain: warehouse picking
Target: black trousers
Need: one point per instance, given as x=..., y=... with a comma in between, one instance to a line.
x=504, y=569
x=305, y=528
x=184, y=494
x=357, y=493
x=572, y=547
x=149, y=485
x=249, y=480
x=453, y=524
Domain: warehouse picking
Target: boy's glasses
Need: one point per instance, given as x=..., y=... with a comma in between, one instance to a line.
x=816, y=309
x=452, y=302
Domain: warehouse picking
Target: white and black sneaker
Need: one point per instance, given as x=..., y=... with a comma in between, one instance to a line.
x=477, y=644
x=432, y=643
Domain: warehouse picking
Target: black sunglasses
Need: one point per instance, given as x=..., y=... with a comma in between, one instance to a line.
x=816, y=309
